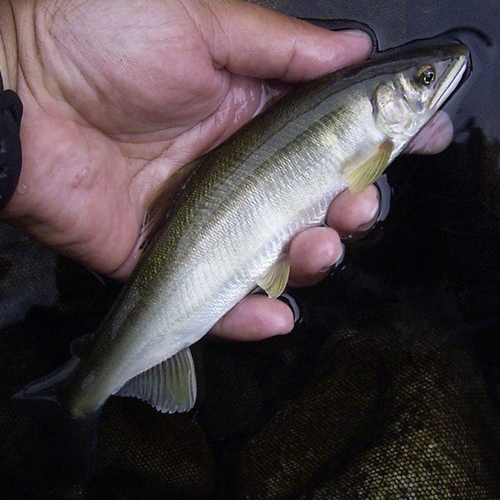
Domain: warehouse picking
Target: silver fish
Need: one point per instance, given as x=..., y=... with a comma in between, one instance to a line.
x=229, y=228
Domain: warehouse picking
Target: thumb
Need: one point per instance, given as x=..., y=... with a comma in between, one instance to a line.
x=254, y=41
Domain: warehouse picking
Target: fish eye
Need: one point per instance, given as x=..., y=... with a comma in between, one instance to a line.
x=426, y=75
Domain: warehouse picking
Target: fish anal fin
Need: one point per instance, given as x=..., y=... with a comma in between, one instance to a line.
x=274, y=282
x=170, y=386
x=363, y=175
x=159, y=203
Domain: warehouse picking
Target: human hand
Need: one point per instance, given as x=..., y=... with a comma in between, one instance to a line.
x=119, y=95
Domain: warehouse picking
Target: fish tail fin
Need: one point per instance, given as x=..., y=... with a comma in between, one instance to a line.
x=48, y=388
x=48, y=451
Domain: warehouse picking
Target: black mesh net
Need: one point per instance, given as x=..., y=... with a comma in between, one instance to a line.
x=388, y=388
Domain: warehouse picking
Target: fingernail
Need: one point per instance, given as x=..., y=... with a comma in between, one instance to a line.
x=341, y=258
x=357, y=33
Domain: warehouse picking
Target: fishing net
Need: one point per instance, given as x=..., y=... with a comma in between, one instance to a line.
x=388, y=388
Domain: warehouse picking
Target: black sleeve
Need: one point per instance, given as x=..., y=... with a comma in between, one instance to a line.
x=11, y=111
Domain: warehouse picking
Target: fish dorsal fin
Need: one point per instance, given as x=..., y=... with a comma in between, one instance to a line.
x=274, y=282
x=159, y=203
x=362, y=176
x=170, y=386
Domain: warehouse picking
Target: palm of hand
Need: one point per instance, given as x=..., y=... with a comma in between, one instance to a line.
x=115, y=119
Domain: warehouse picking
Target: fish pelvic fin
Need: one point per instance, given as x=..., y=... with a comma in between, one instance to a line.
x=170, y=386
x=368, y=172
x=274, y=282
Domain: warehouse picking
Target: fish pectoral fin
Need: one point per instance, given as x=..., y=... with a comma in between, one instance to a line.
x=170, y=386
x=274, y=282
x=362, y=176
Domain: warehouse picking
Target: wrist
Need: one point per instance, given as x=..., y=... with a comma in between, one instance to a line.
x=8, y=46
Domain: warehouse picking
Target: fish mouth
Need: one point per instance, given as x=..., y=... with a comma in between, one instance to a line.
x=453, y=76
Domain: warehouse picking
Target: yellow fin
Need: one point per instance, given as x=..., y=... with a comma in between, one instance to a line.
x=361, y=177
x=274, y=282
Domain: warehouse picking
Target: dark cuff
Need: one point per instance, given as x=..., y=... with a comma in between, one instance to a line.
x=11, y=111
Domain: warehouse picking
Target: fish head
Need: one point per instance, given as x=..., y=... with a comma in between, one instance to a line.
x=420, y=85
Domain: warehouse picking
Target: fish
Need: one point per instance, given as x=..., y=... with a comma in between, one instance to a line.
x=229, y=227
